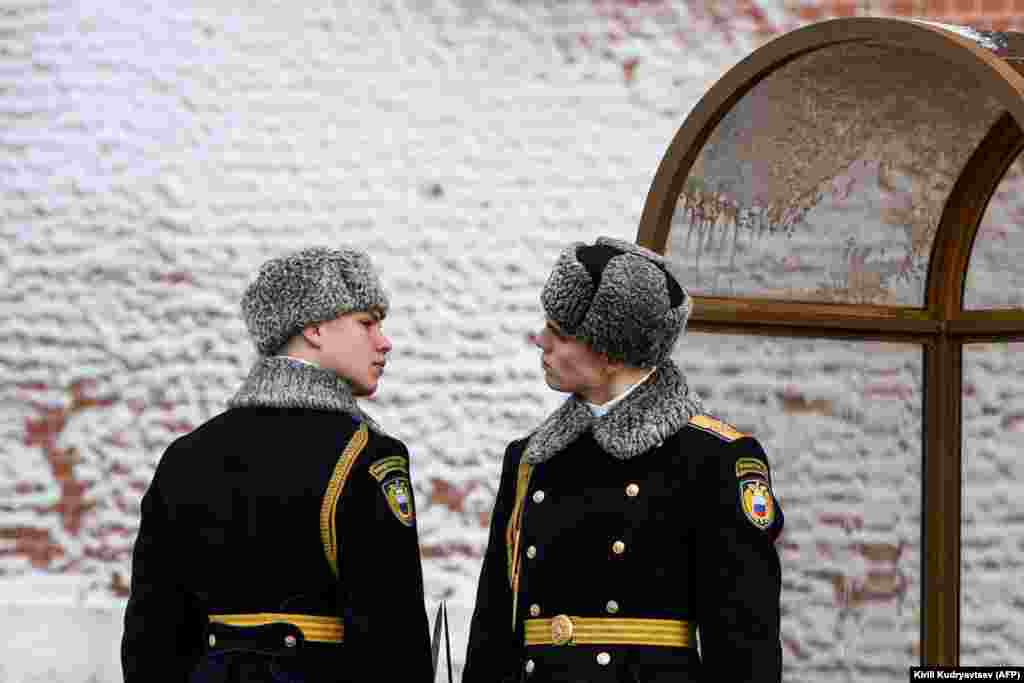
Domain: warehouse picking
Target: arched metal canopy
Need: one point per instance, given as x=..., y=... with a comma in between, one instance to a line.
x=768, y=156
x=984, y=69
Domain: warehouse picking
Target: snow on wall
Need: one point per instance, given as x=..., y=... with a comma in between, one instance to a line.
x=154, y=155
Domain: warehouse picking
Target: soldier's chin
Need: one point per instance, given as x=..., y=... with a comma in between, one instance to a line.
x=364, y=389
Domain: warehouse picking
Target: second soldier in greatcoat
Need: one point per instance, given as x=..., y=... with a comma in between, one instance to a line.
x=278, y=540
x=629, y=521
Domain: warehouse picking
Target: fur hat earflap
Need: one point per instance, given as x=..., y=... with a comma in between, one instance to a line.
x=619, y=298
x=308, y=287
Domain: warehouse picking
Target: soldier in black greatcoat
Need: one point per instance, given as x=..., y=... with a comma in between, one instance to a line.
x=629, y=522
x=278, y=540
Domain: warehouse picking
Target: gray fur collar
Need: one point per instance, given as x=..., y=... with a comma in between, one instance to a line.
x=656, y=410
x=280, y=382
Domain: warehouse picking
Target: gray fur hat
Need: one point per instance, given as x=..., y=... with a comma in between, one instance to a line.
x=307, y=287
x=619, y=298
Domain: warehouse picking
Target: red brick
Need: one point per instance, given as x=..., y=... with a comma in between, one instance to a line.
x=847, y=522
x=62, y=463
x=23, y=532
x=876, y=586
x=118, y=586
x=44, y=430
x=978, y=21
x=996, y=7
x=756, y=15
x=880, y=552
x=35, y=544
x=793, y=647
x=448, y=494
x=844, y=8
x=447, y=550
x=902, y=8
x=960, y=20
x=629, y=69
x=965, y=6
x=808, y=13
x=73, y=506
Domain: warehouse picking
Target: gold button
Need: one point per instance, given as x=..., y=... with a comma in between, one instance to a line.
x=538, y=497
x=529, y=666
x=531, y=552
x=212, y=640
x=632, y=490
x=603, y=658
x=562, y=629
x=289, y=641
x=534, y=610
x=612, y=607
x=618, y=547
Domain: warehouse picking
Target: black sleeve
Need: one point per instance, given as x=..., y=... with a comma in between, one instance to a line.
x=381, y=576
x=493, y=653
x=163, y=625
x=737, y=567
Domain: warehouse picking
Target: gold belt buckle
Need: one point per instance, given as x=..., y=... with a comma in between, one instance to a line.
x=562, y=629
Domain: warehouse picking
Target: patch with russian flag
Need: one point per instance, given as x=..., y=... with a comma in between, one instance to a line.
x=393, y=474
x=757, y=502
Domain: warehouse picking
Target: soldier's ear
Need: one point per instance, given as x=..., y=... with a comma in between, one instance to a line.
x=312, y=335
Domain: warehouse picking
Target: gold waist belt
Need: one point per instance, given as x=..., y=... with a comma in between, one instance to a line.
x=566, y=630
x=313, y=628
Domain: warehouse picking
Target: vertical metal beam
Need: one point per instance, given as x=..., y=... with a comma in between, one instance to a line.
x=943, y=396
x=940, y=509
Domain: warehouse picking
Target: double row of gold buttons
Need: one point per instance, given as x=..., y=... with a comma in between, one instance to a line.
x=612, y=607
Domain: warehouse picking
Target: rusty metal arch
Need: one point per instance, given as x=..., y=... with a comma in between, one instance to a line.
x=941, y=326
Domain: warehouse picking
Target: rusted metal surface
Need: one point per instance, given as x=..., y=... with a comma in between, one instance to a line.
x=940, y=518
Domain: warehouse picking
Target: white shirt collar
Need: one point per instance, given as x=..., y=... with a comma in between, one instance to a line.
x=299, y=360
x=599, y=410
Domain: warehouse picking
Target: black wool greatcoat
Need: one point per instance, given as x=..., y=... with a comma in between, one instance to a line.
x=231, y=524
x=637, y=514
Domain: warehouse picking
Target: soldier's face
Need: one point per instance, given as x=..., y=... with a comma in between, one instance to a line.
x=354, y=346
x=570, y=365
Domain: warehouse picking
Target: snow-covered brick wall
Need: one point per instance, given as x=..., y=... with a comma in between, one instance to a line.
x=153, y=154
x=997, y=15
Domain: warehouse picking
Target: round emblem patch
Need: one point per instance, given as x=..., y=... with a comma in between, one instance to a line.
x=757, y=502
x=398, y=492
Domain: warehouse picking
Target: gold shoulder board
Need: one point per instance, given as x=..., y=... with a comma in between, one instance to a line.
x=723, y=430
x=328, y=530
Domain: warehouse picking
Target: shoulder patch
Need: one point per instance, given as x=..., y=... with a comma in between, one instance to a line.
x=757, y=502
x=398, y=492
x=393, y=475
x=723, y=430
